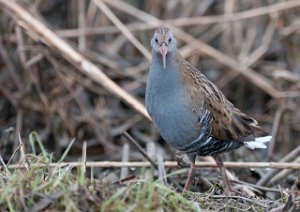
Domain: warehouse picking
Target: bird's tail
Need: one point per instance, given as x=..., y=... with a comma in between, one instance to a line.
x=259, y=142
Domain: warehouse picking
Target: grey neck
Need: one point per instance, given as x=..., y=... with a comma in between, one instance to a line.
x=166, y=81
x=170, y=59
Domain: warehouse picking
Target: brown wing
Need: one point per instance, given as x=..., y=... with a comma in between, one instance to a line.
x=228, y=123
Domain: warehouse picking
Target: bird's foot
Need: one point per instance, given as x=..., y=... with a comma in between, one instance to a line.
x=231, y=190
x=226, y=189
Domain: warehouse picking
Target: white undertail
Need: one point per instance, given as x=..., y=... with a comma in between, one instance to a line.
x=259, y=143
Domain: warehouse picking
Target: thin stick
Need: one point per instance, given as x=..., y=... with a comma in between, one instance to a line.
x=81, y=22
x=293, y=154
x=263, y=188
x=275, y=128
x=125, y=158
x=5, y=166
x=283, y=173
x=169, y=164
x=140, y=149
x=123, y=28
x=82, y=172
x=22, y=150
x=161, y=168
x=151, y=151
x=151, y=162
x=14, y=153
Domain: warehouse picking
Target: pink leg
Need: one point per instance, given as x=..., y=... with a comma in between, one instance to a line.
x=190, y=176
x=220, y=164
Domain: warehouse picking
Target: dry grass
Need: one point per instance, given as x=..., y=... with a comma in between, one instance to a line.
x=75, y=189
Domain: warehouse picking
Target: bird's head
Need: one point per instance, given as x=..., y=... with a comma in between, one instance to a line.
x=163, y=43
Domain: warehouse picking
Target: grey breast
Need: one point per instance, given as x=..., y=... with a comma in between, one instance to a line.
x=169, y=107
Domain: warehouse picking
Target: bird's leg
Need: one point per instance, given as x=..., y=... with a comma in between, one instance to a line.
x=220, y=164
x=192, y=151
x=228, y=186
x=189, y=180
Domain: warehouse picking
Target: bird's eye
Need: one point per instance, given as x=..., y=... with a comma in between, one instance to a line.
x=156, y=40
x=170, y=40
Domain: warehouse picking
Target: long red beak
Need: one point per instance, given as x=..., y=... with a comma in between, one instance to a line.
x=163, y=51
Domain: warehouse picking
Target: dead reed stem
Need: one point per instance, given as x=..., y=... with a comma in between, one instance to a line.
x=169, y=164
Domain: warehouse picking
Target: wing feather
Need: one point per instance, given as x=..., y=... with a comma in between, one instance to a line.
x=229, y=123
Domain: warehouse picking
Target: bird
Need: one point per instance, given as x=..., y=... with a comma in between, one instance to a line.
x=190, y=112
